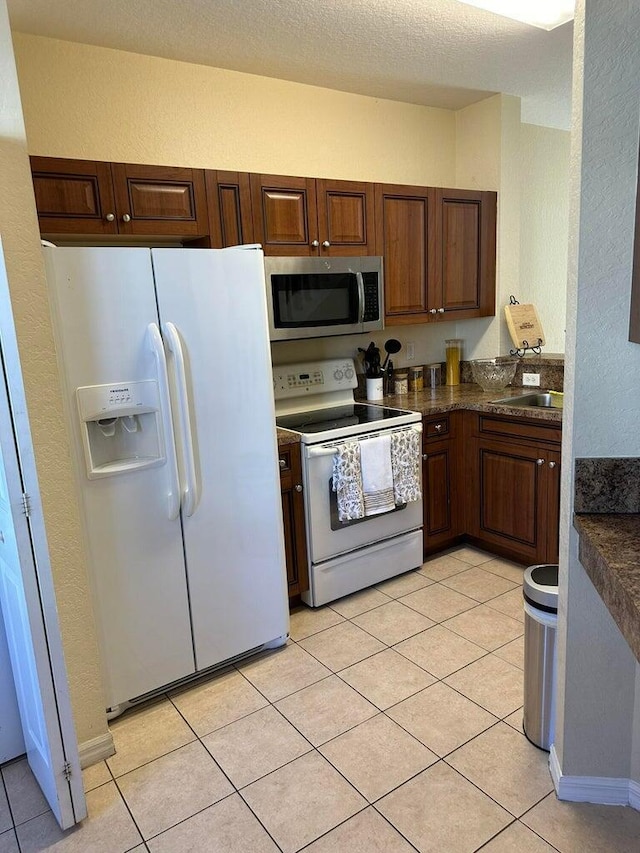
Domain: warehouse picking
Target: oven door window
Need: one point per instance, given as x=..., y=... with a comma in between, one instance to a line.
x=341, y=525
x=318, y=299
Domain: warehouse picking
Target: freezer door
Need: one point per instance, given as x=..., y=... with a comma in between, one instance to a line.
x=104, y=302
x=213, y=317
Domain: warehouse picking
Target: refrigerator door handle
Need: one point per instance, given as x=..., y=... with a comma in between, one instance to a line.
x=190, y=490
x=157, y=348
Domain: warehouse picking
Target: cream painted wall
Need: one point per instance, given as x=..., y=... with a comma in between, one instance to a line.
x=25, y=272
x=544, y=226
x=598, y=707
x=488, y=152
x=102, y=104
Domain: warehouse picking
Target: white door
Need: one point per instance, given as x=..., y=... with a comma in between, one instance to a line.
x=103, y=302
x=11, y=739
x=28, y=601
x=214, y=305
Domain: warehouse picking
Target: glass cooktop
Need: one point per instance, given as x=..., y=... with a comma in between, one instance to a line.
x=323, y=420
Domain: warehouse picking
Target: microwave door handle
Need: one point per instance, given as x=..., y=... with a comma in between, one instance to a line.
x=360, y=281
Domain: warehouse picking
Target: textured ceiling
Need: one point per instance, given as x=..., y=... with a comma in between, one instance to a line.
x=433, y=52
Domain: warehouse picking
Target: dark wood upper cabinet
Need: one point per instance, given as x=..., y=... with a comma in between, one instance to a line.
x=466, y=260
x=87, y=197
x=284, y=214
x=229, y=207
x=73, y=196
x=345, y=218
x=439, y=249
x=160, y=200
x=305, y=216
x=405, y=235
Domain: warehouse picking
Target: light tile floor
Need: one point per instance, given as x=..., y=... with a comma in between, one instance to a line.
x=390, y=723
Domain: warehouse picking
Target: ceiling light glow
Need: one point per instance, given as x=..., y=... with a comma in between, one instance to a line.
x=546, y=14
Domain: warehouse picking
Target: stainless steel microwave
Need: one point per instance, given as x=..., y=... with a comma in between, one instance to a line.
x=318, y=297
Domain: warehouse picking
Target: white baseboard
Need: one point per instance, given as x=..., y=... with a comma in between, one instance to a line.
x=96, y=749
x=593, y=789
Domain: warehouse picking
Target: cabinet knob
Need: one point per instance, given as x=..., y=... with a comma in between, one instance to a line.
x=440, y=310
x=433, y=311
x=438, y=427
x=298, y=487
x=425, y=456
x=552, y=464
x=126, y=217
x=315, y=243
x=539, y=461
x=110, y=217
x=326, y=244
x=283, y=463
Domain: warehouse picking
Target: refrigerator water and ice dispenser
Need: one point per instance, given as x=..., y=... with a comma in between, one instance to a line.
x=121, y=428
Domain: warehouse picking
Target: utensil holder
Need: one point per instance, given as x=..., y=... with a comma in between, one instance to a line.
x=374, y=388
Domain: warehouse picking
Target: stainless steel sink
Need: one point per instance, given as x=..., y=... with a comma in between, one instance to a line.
x=545, y=399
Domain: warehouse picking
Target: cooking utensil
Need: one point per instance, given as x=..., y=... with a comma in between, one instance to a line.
x=392, y=346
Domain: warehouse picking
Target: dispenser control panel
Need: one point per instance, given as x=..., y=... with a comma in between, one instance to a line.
x=117, y=400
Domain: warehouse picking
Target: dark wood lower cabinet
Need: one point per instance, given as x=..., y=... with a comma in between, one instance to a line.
x=441, y=493
x=295, y=539
x=514, y=494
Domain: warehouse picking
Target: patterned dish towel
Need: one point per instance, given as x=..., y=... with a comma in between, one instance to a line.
x=405, y=464
x=377, y=477
x=347, y=481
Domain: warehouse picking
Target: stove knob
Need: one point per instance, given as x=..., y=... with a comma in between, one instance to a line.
x=338, y=375
x=349, y=373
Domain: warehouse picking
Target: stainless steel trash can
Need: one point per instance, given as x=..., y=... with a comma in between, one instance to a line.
x=540, y=591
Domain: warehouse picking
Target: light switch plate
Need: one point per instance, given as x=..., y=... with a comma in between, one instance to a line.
x=532, y=379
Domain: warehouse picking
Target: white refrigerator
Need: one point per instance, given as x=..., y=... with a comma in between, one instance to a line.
x=166, y=368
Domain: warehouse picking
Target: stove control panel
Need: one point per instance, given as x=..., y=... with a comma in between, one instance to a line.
x=317, y=377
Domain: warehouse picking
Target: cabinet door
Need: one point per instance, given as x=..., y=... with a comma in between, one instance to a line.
x=466, y=256
x=552, y=466
x=405, y=235
x=160, y=200
x=345, y=218
x=440, y=489
x=229, y=207
x=295, y=539
x=284, y=214
x=73, y=196
x=510, y=497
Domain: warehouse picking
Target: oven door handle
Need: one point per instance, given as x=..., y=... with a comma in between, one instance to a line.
x=315, y=452
x=360, y=281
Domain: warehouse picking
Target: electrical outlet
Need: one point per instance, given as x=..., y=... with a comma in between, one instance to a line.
x=531, y=379
x=411, y=351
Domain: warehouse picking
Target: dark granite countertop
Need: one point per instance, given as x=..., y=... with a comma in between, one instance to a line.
x=609, y=550
x=437, y=401
x=285, y=437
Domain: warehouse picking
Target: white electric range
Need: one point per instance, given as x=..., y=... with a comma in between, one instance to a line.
x=315, y=400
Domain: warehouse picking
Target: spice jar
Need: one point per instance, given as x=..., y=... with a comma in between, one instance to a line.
x=454, y=354
x=400, y=382
x=416, y=378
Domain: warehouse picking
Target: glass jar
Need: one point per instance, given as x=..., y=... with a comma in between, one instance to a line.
x=454, y=354
x=416, y=378
x=400, y=382
x=434, y=374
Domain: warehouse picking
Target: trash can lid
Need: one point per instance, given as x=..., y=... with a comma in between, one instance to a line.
x=540, y=587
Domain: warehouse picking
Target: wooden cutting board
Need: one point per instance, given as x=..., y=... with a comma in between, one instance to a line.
x=524, y=325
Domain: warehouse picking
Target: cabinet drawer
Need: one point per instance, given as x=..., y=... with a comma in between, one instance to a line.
x=436, y=428
x=526, y=430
